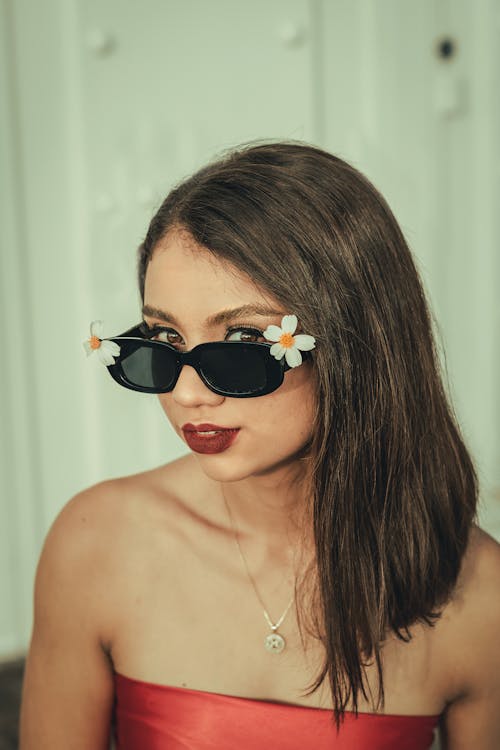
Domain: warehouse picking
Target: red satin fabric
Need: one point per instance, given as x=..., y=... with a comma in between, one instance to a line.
x=149, y=716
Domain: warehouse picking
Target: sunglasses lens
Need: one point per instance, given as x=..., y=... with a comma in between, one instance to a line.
x=232, y=369
x=148, y=367
x=239, y=370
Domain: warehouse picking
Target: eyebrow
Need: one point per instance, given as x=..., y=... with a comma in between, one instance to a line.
x=224, y=316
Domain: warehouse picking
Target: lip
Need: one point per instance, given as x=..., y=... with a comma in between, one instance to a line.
x=211, y=443
x=189, y=427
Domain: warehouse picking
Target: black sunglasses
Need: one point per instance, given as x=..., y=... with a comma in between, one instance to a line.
x=229, y=368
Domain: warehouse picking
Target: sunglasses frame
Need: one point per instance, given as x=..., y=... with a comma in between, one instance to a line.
x=277, y=368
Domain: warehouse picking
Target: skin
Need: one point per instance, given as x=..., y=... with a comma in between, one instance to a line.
x=260, y=476
x=140, y=574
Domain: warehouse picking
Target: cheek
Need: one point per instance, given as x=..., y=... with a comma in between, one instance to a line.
x=289, y=411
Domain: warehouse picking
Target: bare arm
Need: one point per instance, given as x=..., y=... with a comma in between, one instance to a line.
x=67, y=696
x=473, y=719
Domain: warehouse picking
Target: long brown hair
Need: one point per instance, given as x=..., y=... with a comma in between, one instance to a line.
x=393, y=487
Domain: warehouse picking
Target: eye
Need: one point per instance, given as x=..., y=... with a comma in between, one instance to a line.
x=248, y=334
x=170, y=336
x=158, y=333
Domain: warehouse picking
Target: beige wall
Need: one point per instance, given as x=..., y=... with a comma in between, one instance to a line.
x=106, y=104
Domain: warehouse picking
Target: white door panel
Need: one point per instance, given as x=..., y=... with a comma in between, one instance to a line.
x=110, y=103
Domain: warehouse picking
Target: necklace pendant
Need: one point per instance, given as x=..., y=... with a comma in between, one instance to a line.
x=274, y=643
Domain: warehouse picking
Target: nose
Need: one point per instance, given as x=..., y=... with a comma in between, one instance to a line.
x=191, y=390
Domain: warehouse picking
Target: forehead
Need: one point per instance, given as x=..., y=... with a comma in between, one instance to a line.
x=189, y=281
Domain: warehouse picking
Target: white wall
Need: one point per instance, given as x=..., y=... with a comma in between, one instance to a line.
x=106, y=104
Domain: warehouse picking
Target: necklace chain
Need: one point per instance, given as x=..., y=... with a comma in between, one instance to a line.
x=273, y=626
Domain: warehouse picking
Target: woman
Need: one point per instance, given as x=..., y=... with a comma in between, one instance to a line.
x=310, y=574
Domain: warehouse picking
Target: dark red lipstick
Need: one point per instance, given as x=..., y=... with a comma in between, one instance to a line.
x=209, y=438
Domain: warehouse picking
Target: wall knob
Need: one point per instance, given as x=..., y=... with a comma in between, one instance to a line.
x=291, y=34
x=100, y=42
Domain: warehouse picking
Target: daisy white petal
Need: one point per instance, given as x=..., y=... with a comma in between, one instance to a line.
x=107, y=352
x=87, y=347
x=105, y=357
x=96, y=328
x=277, y=351
x=272, y=333
x=112, y=347
x=289, y=323
x=293, y=357
x=304, y=342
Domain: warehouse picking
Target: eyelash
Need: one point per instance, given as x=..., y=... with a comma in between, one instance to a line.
x=151, y=331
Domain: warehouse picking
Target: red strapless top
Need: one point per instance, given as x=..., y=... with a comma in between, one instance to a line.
x=148, y=716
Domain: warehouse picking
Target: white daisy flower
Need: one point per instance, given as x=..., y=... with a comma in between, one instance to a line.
x=106, y=350
x=286, y=343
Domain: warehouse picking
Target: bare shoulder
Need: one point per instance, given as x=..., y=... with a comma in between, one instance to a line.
x=476, y=600
x=120, y=502
x=472, y=717
x=91, y=568
x=105, y=529
x=124, y=512
x=483, y=544
x=67, y=695
x=480, y=575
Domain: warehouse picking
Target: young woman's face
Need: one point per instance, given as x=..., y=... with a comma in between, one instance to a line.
x=192, y=285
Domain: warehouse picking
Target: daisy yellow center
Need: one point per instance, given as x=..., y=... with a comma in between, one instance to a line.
x=286, y=340
x=95, y=342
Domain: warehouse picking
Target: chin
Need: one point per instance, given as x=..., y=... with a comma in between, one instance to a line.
x=224, y=468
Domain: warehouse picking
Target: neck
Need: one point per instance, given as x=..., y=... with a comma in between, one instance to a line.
x=270, y=512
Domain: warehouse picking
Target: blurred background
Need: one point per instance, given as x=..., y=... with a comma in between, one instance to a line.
x=104, y=105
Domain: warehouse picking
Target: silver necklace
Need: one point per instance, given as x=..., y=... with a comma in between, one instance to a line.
x=274, y=642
